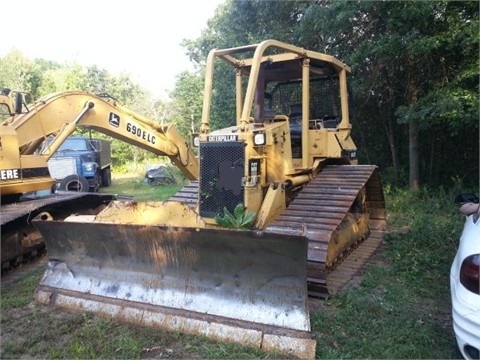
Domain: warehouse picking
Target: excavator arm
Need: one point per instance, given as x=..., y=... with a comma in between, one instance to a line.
x=57, y=115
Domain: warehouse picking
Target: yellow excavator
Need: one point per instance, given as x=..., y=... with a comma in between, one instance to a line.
x=25, y=181
x=279, y=205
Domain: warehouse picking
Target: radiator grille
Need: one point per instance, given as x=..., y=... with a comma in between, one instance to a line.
x=62, y=167
x=221, y=172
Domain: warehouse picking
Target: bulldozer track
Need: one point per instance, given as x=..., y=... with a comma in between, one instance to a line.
x=188, y=194
x=318, y=211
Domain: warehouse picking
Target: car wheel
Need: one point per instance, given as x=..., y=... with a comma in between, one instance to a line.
x=74, y=183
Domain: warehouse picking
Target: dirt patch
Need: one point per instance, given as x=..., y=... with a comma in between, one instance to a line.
x=171, y=351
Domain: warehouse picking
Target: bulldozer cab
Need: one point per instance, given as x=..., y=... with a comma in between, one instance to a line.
x=281, y=85
x=291, y=119
x=277, y=82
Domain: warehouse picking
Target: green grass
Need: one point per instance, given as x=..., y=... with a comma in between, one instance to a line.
x=399, y=310
x=20, y=295
x=135, y=186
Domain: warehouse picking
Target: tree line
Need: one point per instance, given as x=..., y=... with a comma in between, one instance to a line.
x=414, y=82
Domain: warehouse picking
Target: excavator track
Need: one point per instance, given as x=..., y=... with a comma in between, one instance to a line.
x=319, y=210
x=21, y=241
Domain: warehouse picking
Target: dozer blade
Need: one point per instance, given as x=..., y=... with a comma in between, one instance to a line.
x=241, y=286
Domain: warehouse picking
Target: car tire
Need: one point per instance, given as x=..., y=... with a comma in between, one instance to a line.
x=106, y=177
x=74, y=183
x=98, y=182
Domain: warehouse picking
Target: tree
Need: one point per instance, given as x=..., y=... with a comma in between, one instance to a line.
x=185, y=110
x=16, y=71
x=42, y=77
x=415, y=63
x=259, y=20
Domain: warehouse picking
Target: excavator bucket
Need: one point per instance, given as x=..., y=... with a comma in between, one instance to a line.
x=242, y=286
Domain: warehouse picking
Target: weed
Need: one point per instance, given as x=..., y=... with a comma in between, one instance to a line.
x=240, y=219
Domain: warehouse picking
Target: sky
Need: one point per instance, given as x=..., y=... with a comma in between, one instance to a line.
x=138, y=37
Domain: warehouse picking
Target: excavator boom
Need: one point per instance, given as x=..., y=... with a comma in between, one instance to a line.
x=57, y=116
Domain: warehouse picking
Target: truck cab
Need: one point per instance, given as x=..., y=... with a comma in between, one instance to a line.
x=81, y=164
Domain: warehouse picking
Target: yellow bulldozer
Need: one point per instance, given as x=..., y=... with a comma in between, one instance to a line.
x=278, y=206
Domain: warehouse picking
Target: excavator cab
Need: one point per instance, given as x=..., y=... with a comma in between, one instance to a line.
x=277, y=200
x=13, y=102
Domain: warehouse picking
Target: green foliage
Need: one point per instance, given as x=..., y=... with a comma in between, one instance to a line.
x=42, y=77
x=425, y=228
x=240, y=219
x=259, y=20
x=17, y=72
x=185, y=110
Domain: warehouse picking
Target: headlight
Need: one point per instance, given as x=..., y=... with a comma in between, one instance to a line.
x=259, y=139
x=89, y=166
x=195, y=140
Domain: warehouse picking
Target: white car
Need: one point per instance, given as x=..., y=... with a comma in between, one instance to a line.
x=465, y=280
